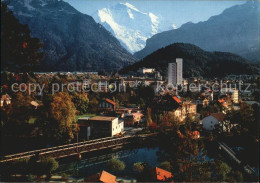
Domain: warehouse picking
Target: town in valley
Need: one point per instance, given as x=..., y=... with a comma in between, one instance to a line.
x=181, y=113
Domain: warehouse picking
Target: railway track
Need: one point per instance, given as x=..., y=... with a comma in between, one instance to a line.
x=70, y=149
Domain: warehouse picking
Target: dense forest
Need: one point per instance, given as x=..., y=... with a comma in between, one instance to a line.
x=196, y=62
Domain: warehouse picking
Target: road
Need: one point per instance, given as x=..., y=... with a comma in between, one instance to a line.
x=130, y=131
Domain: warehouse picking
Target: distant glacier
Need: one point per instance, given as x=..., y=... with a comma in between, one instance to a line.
x=131, y=26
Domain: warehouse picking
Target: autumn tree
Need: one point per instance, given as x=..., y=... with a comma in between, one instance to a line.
x=183, y=161
x=149, y=120
x=15, y=122
x=117, y=102
x=168, y=119
x=19, y=51
x=57, y=117
x=185, y=152
x=15, y=117
x=93, y=104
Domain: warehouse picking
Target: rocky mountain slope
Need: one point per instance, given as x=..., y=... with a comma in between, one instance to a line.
x=236, y=30
x=72, y=41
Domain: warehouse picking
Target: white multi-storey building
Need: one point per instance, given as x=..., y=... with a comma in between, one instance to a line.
x=235, y=96
x=175, y=72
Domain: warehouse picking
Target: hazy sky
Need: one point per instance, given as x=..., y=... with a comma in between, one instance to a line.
x=177, y=12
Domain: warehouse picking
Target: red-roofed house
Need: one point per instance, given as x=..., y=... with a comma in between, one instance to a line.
x=133, y=118
x=160, y=175
x=176, y=99
x=221, y=101
x=107, y=105
x=186, y=109
x=225, y=102
x=173, y=104
x=195, y=135
x=166, y=103
x=101, y=177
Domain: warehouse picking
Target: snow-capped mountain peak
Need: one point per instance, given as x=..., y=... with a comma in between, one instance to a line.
x=132, y=7
x=131, y=26
x=155, y=23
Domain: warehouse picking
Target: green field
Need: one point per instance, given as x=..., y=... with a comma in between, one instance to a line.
x=84, y=115
x=32, y=119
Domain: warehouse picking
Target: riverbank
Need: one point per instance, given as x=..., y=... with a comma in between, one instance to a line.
x=94, y=162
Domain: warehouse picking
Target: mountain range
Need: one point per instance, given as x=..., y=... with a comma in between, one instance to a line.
x=72, y=41
x=131, y=26
x=196, y=62
x=235, y=30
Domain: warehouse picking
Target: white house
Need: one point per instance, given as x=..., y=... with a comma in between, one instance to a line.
x=144, y=70
x=209, y=122
x=101, y=126
x=117, y=126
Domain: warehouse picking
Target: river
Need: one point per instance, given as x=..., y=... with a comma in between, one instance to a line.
x=94, y=162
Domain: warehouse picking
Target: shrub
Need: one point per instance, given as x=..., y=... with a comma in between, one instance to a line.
x=52, y=164
x=115, y=165
x=166, y=165
x=139, y=166
x=65, y=177
x=48, y=166
x=32, y=178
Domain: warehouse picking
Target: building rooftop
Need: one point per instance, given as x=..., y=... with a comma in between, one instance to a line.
x=5, y=97
x=107, y=177
x=101, y=177
x=219, y=116
x=110, y=101
x=102, y=118
x=162, y=175
x=176, y=99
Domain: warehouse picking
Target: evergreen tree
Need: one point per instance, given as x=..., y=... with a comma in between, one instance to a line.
x=81, y=102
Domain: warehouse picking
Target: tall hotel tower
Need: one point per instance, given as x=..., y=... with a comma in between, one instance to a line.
x=175, y=72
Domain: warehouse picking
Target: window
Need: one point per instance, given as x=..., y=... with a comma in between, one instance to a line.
x=113, y=129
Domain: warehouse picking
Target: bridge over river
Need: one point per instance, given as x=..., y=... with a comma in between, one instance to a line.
x=72, y=149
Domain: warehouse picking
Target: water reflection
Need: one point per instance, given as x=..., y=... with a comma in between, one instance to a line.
x=97, y=162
